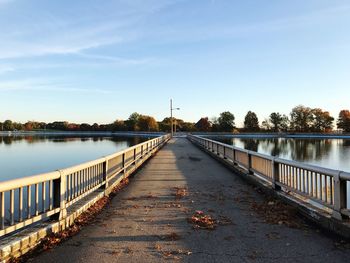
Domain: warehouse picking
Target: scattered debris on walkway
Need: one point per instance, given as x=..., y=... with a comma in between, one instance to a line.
x=85, y=218
x=180, y=192
x=202, y=221
x=277, y=212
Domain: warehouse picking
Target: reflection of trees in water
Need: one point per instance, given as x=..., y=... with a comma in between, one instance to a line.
x=251, y=144
x=296, y=149
x=309, y=149
x=62, y=139
x=8, y=140
x=275, y=146
x=346, y=143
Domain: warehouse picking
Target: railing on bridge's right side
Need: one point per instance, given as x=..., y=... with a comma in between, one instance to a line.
x=28, y=200
x=326, y=187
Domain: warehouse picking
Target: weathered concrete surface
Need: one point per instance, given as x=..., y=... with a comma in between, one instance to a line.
x=138, y=224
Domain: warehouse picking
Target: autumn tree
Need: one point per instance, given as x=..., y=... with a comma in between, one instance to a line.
x=203, y=125
x=344, y=120
x=301, y=118
x=322, y=120
x=251, y=122
x=226, y=121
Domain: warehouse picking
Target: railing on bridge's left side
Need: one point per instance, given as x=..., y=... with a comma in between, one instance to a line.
x=28, y=200
x=326, y=187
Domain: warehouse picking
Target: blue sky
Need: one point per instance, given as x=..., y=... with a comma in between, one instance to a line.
x=97, y=61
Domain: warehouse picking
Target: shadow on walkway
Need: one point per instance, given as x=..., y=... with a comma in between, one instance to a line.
x=149, y=220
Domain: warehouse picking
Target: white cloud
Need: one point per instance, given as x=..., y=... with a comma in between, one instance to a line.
x=6, y=69
x=46, y=85
x=51, y=34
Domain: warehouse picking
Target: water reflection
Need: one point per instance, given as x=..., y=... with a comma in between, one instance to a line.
x=8, y=140
x=332, y=153
x=251, y=144
x=27, y=155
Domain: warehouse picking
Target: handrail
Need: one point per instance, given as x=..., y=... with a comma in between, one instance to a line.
x=327, y=187
x=21, y=182
x=27, y=200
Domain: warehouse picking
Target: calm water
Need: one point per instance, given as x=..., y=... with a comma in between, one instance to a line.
x=330, y=153
x=28, y=155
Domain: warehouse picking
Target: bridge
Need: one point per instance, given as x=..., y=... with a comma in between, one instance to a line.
x=194, y=200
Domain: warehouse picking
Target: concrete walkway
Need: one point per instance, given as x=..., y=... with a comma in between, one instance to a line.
x=145, y=222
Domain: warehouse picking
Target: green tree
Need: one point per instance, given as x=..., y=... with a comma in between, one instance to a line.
x=266, y=125
x=276, y=120
x=132, y=122
x=279, y=122
x=285, y=123
x=226, y=121
x=251, y=122
x=344, y=120
x=301, y=118
x=165, y=125
x=188, y=127
x=8, y=125
x=147, y=123
x=119, y=125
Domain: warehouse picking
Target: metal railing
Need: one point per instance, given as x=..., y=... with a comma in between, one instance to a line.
x=28, y=200
x=326, y=187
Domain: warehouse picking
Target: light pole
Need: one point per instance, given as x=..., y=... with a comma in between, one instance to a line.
x=171, y=116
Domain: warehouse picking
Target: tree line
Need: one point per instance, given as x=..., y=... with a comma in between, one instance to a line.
x=135, y=122
x=300, y=119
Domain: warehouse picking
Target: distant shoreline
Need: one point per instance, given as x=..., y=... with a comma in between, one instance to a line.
x=278, y=135
x=154, y=134
x=79, y=133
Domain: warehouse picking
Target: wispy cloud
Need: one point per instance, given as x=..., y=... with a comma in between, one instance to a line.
x=49, y=34
x=6, y=69
x=197, y=32
x=47, y=86
x=117, y=60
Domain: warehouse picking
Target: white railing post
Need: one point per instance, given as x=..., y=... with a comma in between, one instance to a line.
x=339, y=196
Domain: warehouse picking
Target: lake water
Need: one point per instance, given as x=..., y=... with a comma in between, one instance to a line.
x=330, y=153
x=29, y=155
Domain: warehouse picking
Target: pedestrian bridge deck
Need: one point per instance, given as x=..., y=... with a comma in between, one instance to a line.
x=147, y=222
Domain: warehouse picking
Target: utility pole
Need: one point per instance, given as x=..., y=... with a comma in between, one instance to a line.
x=171, y=117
